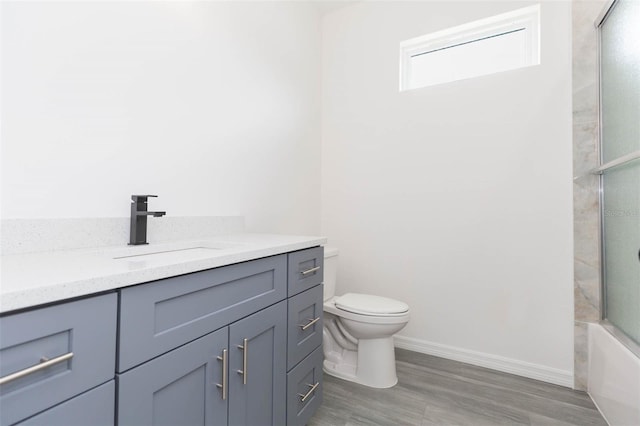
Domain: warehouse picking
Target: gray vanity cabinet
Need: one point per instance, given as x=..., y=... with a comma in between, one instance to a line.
x=177, y=388
x=238, y=345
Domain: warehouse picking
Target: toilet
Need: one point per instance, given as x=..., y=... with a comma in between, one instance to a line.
x=358, y=332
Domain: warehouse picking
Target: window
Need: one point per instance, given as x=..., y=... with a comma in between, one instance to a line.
x=500, y=43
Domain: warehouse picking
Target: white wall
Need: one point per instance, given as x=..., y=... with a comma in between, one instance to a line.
x=455, y=198
x=214, y=106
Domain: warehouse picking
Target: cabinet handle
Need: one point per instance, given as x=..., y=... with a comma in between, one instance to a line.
x=308, y=271
x=303, y=397
x=45, y=363
x=245, y=349
x=309, y=324
x=223, y=386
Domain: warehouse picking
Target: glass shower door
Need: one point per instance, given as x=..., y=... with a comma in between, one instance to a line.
x=621, y=231
x=620, y=131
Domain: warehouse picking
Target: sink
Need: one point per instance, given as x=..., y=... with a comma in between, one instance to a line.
x=178, y=255
x=170, y=253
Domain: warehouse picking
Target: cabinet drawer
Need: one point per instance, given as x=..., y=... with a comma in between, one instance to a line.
x=304, y=389
x=81, y=335
x=304, y=325
x=305, y=269
x=95, y=407
x=160, y=316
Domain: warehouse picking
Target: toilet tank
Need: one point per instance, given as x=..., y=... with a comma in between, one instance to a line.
x=330, y=271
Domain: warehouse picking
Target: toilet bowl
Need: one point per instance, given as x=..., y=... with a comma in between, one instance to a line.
x=358, y=332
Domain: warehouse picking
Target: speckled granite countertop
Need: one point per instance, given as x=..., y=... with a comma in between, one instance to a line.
x=38, y=278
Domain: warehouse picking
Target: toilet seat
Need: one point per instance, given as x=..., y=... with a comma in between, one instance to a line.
x=368, y=304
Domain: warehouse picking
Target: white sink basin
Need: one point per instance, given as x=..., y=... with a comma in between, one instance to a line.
x=170, y=253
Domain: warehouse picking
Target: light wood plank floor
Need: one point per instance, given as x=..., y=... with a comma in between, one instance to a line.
x=437, y=391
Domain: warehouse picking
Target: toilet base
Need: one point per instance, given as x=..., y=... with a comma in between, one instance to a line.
x=373, y=364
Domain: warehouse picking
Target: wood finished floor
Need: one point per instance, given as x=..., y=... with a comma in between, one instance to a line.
x=437, y=391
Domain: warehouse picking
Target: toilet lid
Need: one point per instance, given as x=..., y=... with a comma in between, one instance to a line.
x=367, y=304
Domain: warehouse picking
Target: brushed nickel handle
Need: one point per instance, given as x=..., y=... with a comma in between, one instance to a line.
x=45, y=363
x=245, y=350
x=309, y=324
x=223, y=386
x=303, y=397
x=308, y=271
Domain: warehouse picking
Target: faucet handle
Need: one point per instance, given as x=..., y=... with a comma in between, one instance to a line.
x=141, y=198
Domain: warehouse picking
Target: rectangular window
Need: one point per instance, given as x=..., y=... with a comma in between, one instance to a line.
x=499, y=43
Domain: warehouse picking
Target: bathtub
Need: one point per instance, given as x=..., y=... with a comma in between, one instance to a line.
x=614, y=378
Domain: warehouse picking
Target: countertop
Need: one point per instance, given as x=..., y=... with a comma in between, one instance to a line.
x=38, y=278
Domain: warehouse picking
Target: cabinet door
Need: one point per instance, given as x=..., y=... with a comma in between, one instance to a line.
x=178, y=388
x=257, y=370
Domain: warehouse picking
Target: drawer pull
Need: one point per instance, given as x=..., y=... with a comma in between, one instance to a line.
x=303, y=397
x=308, y=271
x=223, y=386
x=309, y=324
x=245, y=349
x=46, y=363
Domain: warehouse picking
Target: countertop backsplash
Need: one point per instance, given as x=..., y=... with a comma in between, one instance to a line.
x=20, y=236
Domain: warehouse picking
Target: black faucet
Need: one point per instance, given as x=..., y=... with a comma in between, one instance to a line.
x=139, y=213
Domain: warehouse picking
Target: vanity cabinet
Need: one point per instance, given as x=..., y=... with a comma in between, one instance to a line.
x=234, y=345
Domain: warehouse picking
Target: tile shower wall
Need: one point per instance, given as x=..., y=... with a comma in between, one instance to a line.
x=585, y=189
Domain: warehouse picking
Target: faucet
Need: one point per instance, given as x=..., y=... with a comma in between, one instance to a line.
x=139, y=213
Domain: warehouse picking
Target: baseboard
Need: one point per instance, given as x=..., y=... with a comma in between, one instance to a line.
x=481, y=359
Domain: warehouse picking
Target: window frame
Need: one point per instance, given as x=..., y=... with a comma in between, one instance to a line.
x=527, y=18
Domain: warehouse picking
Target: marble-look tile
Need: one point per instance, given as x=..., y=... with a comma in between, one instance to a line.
x=586, y=242
x=587, y=300
x=584, y=272
x=585, y=148
x=581, y=355
x=585, y=108
x=585, y=60
x=586, y=195
x=586, y=186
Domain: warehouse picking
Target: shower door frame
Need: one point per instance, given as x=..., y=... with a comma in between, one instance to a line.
x=606, y=324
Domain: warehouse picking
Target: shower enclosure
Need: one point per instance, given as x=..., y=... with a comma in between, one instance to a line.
x=619, y=33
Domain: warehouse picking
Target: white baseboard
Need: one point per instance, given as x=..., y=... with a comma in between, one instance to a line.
x=495, y=362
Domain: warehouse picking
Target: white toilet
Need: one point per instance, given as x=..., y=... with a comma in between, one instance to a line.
x=358, y=332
